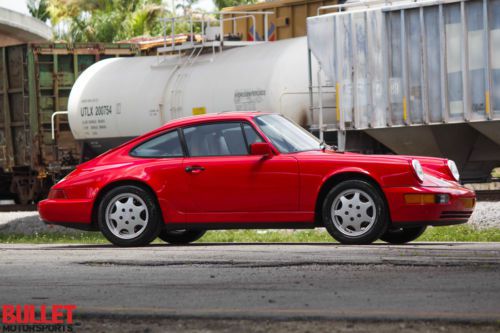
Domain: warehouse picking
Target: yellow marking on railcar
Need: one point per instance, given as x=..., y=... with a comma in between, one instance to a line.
x=199, y=111
x=405, y=109
x=487, y=101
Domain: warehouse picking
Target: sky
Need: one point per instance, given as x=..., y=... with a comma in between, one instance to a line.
x=20, y=5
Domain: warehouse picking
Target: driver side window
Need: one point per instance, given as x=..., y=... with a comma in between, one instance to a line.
x=218, y=139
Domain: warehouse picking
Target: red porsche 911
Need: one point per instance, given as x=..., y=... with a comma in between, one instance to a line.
x=253, y=170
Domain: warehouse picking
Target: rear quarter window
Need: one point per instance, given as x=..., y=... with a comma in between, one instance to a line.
x=164, y=145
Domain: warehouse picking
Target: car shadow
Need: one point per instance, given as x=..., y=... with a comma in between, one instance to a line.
x=256, y=244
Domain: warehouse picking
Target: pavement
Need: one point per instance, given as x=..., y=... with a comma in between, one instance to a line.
x=451, y=282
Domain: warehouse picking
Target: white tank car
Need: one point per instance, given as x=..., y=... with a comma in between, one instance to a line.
x=121, y=98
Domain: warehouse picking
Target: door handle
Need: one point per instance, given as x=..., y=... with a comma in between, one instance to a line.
x=194, y=169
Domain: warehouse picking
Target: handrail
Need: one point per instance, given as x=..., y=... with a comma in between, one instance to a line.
x=52, y=118
x=207, y=19
x=239, y=18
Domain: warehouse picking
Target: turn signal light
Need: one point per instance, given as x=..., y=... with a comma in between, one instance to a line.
x=422, y=199
x=468, y=202
x=57, y=194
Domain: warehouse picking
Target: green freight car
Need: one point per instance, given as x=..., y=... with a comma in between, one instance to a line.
x=35, y=82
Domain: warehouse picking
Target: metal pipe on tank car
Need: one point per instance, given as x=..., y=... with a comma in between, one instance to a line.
x=52, y=122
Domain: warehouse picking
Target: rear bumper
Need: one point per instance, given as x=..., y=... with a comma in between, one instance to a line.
x=70, y=213
x=453, y=212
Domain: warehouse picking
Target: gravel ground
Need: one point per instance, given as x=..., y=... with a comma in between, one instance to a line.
x=28, y=223
x=486, y=215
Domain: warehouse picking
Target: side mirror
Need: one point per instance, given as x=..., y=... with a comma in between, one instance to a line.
x=260, y=148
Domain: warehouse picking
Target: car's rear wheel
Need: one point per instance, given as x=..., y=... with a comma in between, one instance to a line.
x=129, y=216
x=179, y=237
x=354, y=212
x=402, y=235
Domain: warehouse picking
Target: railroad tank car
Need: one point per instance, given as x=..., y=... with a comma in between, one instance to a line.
x=117, y=99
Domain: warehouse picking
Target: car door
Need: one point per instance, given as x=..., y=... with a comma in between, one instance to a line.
x=225, y=178
x=162, y=157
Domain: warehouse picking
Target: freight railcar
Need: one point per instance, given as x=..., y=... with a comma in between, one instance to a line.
x=287, y=18
x=35, y=82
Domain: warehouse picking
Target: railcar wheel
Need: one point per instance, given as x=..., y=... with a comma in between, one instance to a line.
x=402, y=235
x=354, y=212
x=180, y=237
x=129, y=216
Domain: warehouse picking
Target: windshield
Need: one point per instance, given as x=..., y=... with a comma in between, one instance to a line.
x=287, y=136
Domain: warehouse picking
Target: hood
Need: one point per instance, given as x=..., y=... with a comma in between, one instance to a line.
x=437, y=173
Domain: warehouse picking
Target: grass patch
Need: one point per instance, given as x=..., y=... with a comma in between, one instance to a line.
x=54, y=238
x=461, y=233
x=267, y=236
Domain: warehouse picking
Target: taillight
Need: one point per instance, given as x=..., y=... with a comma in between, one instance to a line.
x=57, y=194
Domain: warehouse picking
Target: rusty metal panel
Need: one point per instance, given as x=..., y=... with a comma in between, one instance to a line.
x=35, y=81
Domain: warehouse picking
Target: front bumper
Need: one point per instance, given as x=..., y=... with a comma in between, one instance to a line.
x=457, y=210
x=67, y=212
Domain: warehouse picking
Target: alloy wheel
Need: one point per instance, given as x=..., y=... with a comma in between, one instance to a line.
x=126, y=215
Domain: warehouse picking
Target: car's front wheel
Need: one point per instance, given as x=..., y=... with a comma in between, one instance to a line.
x=402, y=235
x=354, y=212
x=129, y=216
x=180, y=237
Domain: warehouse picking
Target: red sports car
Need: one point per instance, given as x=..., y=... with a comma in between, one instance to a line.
x=253, y=170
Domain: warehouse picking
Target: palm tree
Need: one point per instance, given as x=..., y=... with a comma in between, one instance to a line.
x=186, y=6
x=38, y=9
x=231, y=3
x=105, y=20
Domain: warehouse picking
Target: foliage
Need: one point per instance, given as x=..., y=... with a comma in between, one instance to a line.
x=105, y=20
x=38, y=9
x=231, y=3
x=186, y=6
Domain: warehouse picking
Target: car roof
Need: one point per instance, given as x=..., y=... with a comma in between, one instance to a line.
x=230, y=115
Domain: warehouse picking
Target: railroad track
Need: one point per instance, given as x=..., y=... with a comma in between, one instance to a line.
x=488, y=195
x=17, y=208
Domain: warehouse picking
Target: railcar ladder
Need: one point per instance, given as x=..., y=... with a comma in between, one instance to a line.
x=183, y=71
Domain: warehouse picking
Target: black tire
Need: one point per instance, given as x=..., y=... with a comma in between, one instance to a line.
x=149, y=215
x=370, y=226
x=179, y=237
x=402, y=235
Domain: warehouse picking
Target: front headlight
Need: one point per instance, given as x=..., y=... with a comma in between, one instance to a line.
x=454, y=170
x=417, y=167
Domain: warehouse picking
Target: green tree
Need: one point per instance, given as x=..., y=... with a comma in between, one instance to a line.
x=105, y=20
x=38, y=9
x=231, y=3
x=186, y=6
